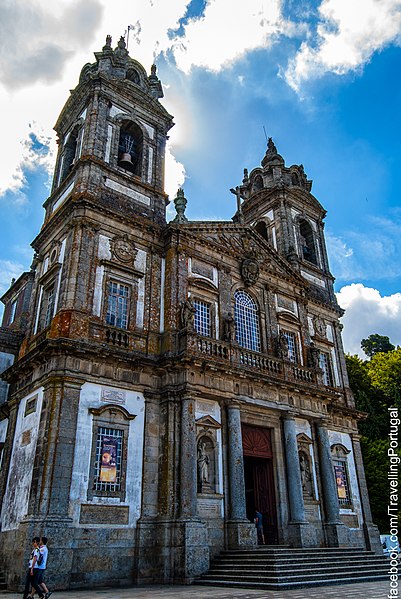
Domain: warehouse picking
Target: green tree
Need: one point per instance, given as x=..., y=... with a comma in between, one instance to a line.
x=368, y=399
x=376, y=343
x=376, y=467
x=376, y=385
x=385, y=374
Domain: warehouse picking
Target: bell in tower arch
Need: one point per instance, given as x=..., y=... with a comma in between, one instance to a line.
x=130, y=148
x=127, y=153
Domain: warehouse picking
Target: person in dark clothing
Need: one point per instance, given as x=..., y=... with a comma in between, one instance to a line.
x=31, y=575
x=259, y=527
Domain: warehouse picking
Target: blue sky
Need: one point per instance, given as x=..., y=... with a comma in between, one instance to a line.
x=320, y=77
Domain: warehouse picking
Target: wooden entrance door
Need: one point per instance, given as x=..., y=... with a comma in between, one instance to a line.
x=259, y=478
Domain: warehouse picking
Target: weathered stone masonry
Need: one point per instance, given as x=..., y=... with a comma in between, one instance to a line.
x=162, y=381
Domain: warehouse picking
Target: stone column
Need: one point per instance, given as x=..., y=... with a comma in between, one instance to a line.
x=241, y=533
x=371, y=531
x=295, y=496
x=187, y=544
x=336, y=532
x=188, y=467
x=298, y=532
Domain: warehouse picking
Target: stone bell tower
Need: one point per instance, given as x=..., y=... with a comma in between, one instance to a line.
x=112, y=134
x=75, y=382
x=278, y=202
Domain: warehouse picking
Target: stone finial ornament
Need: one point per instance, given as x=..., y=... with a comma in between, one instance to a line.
x=121, y=50
x=180, y=203
x=154, y=82
x=271, y=148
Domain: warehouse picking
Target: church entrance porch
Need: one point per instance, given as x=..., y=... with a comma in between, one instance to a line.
x=259, y=479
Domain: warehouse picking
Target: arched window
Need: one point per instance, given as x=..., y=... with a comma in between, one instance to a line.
x=261, y=228
x=69, y=154
x=307, y=242
x=130, y=148
x=246, y=321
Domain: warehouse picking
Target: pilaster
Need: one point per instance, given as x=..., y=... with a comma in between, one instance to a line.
x=7, y=450
x=371, y=531
x=336, y=532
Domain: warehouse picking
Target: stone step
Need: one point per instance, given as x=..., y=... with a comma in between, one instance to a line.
x=289, y=576
x=267, y=550
x=281, y=571
x=3, y=583
x=277, y=586
x=293, y=561
x=293, y=568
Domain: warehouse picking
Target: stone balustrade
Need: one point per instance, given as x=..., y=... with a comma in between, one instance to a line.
x=236, y=356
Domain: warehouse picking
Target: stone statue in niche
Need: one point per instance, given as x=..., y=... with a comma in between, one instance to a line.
x=204, y=468
x=282, y=346
x=229, y=328
x=314, y=355
x=188, y=312
x=203, y=463
x=306, y=476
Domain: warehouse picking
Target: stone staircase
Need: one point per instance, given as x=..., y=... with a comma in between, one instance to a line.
x=3, y=584
x=276, y=568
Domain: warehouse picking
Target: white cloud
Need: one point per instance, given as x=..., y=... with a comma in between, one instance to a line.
x=366, y=313
x=9, y=270
x=356, y=255
x=43, y=47
x=175, y=173
x=38, y=37
x=226, y=32
x=348, y=33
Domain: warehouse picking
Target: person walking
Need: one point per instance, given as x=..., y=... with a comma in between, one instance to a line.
x=259, y=527
x=31, y=575
x=41, y=565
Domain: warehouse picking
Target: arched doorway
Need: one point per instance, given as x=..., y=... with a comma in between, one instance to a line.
x=259, y=478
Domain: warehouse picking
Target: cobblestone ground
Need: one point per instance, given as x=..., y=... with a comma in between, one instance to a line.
x=371, y=590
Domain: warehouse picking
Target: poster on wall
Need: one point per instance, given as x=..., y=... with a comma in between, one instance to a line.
x=340, y=480
x=108, y=465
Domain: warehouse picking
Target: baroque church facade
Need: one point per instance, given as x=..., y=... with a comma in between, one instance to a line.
x=164, y=380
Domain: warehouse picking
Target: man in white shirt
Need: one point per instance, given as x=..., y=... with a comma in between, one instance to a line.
x=40, y=567
x=30, y=578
